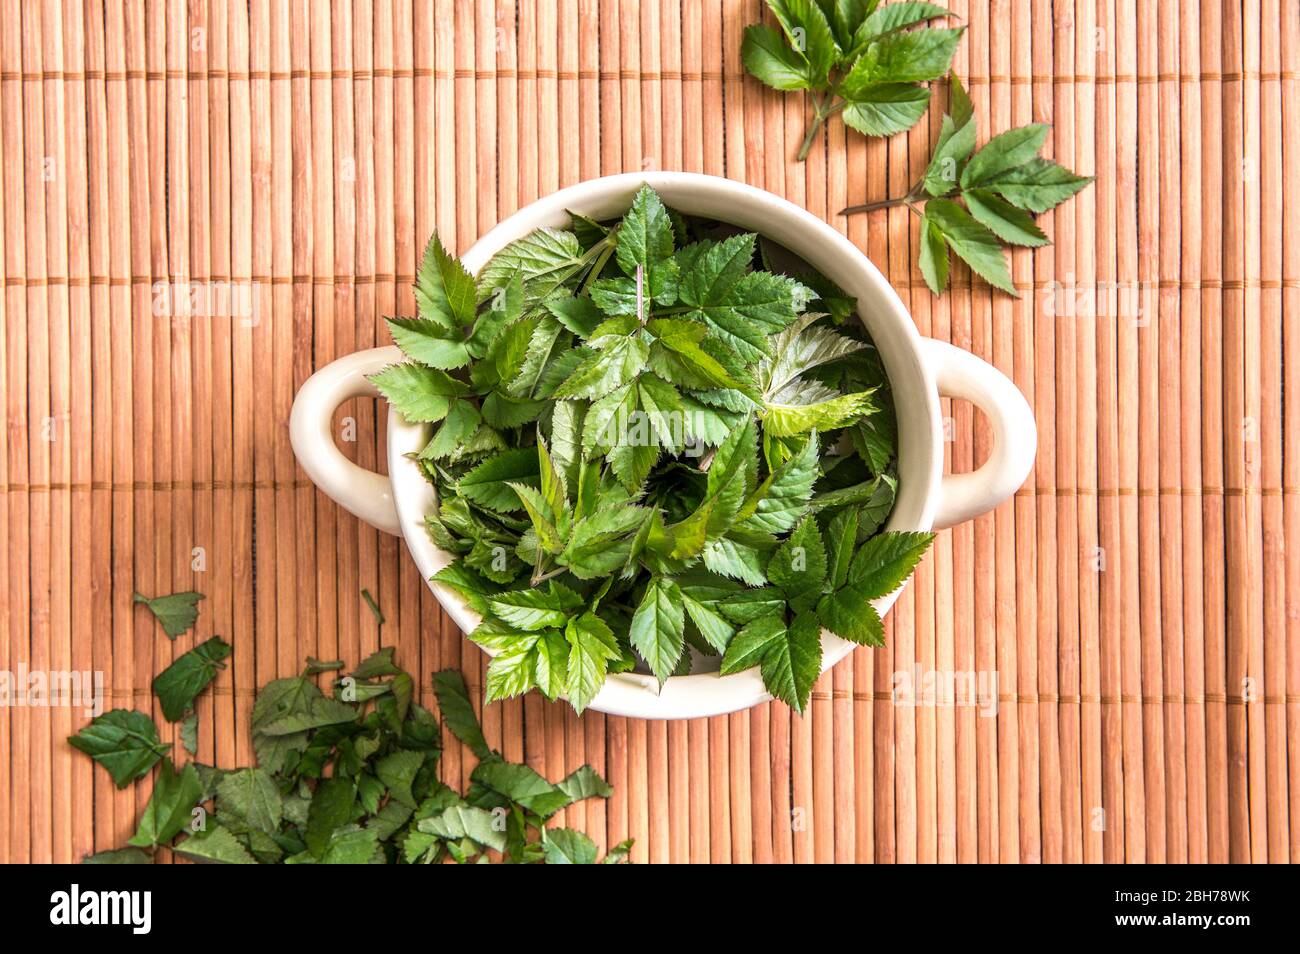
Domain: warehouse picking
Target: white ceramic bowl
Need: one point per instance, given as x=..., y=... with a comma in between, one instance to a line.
x=920, y=370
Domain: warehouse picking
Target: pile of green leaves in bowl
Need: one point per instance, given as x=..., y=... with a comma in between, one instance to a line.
x=652, y=449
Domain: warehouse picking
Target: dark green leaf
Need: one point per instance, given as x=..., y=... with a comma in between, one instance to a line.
x=177, y=612
x=177, y=686
x=458, y=712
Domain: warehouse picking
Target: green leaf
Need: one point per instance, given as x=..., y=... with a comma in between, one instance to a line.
x=658, y=627
x=461, y=422
x=420, y=394
x=177, y=612
x=914, y=57
x=249, y=799
x=736, y=560
x=1004, y=152
x=1038, y=185
x=466, y=821
x=565, y=846
x=1003, y=219
x=883, y=109
x=785, y=494
x=458, y=712
x=397, y=771
x=933, y=260
x=799, y=564
x=551, y=663
x=511, y=672
x=791, y=419
x=974, y=244
x=848, y=613
x=215, y=846
x=591, y=648
x=444, y=290
x=488, y=484
x=122, y=856
x=960, y=107
x=645, y=241
x=190, y=733
x=809, y=33
x=605, y=370
x=331, y=808
x=542, y=260
x=793, y=661
x=841, y=536
x=885, y=561
x=954, y=145
x=429, y=342
x=177, y=686
x=712, y=625
x=893, y=17
x=769, y=60
x=579, y=315
x=174, y=796
x=520, y=784
x=584, y=782
x=535, y=609
x=752, y=642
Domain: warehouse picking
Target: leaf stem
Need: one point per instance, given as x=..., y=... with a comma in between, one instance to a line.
x=912, y=195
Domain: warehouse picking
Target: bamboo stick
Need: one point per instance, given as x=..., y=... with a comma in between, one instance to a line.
x=1191, y=479
x=1271, y=757
x=1213, y=130
x=8, y=628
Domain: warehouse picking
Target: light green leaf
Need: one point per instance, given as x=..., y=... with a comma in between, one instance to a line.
x=954, y=145
x=510, y=673
x=542, y=260
x=645, y=241
x=893, y=17
x=914, y=57
x=785, y=494
x=591, y=648
x=605, y=370
x=712, y=625
x=751, y=643
x=848, y=613
x=535, y=609
x=461, y=422
x=808, y=31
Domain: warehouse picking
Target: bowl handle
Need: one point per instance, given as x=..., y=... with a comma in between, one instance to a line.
x=362, y=492
x=1015, y=437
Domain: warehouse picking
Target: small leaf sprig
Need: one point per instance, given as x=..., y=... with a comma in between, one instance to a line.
x=1002, y=185
x=854, y=58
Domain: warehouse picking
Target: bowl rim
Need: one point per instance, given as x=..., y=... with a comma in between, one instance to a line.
x=879, y=308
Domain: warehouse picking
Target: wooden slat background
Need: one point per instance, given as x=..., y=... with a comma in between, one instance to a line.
x=1137, y=599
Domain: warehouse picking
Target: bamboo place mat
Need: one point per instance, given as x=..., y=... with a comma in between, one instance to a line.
x=1136, y=599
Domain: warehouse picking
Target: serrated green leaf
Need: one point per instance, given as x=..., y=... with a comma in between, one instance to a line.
x=511, y=672
x=807, y=29
x=488, y=484
x=885, y=561
x=1003, y=219
x=176, y=612
x=792, y=662
x=892, y=17
x=1038, y=185
x=798, y=565
x=752, y=642
x=215, y=846
x=458, y=712
x=444, y=290
x=603, y=371
x=565, y=846
x=848, y=613
x=883, y=109
x=331, y=808
x=712, y=625
x=771, y=61
x=429, y=342
x=542, y=260
x=645, y=243
x=974, y=244
x=1004, y=152
x=420, y=394
x=591, y=648
x=173, y=799
x=249, y=799
x=933, y=260
x=953, y=147
x=657, y=631
x=784, y=495
x=177, y=686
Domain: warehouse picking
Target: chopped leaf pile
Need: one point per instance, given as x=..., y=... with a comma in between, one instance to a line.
x=650, y=446
x=348, y=777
